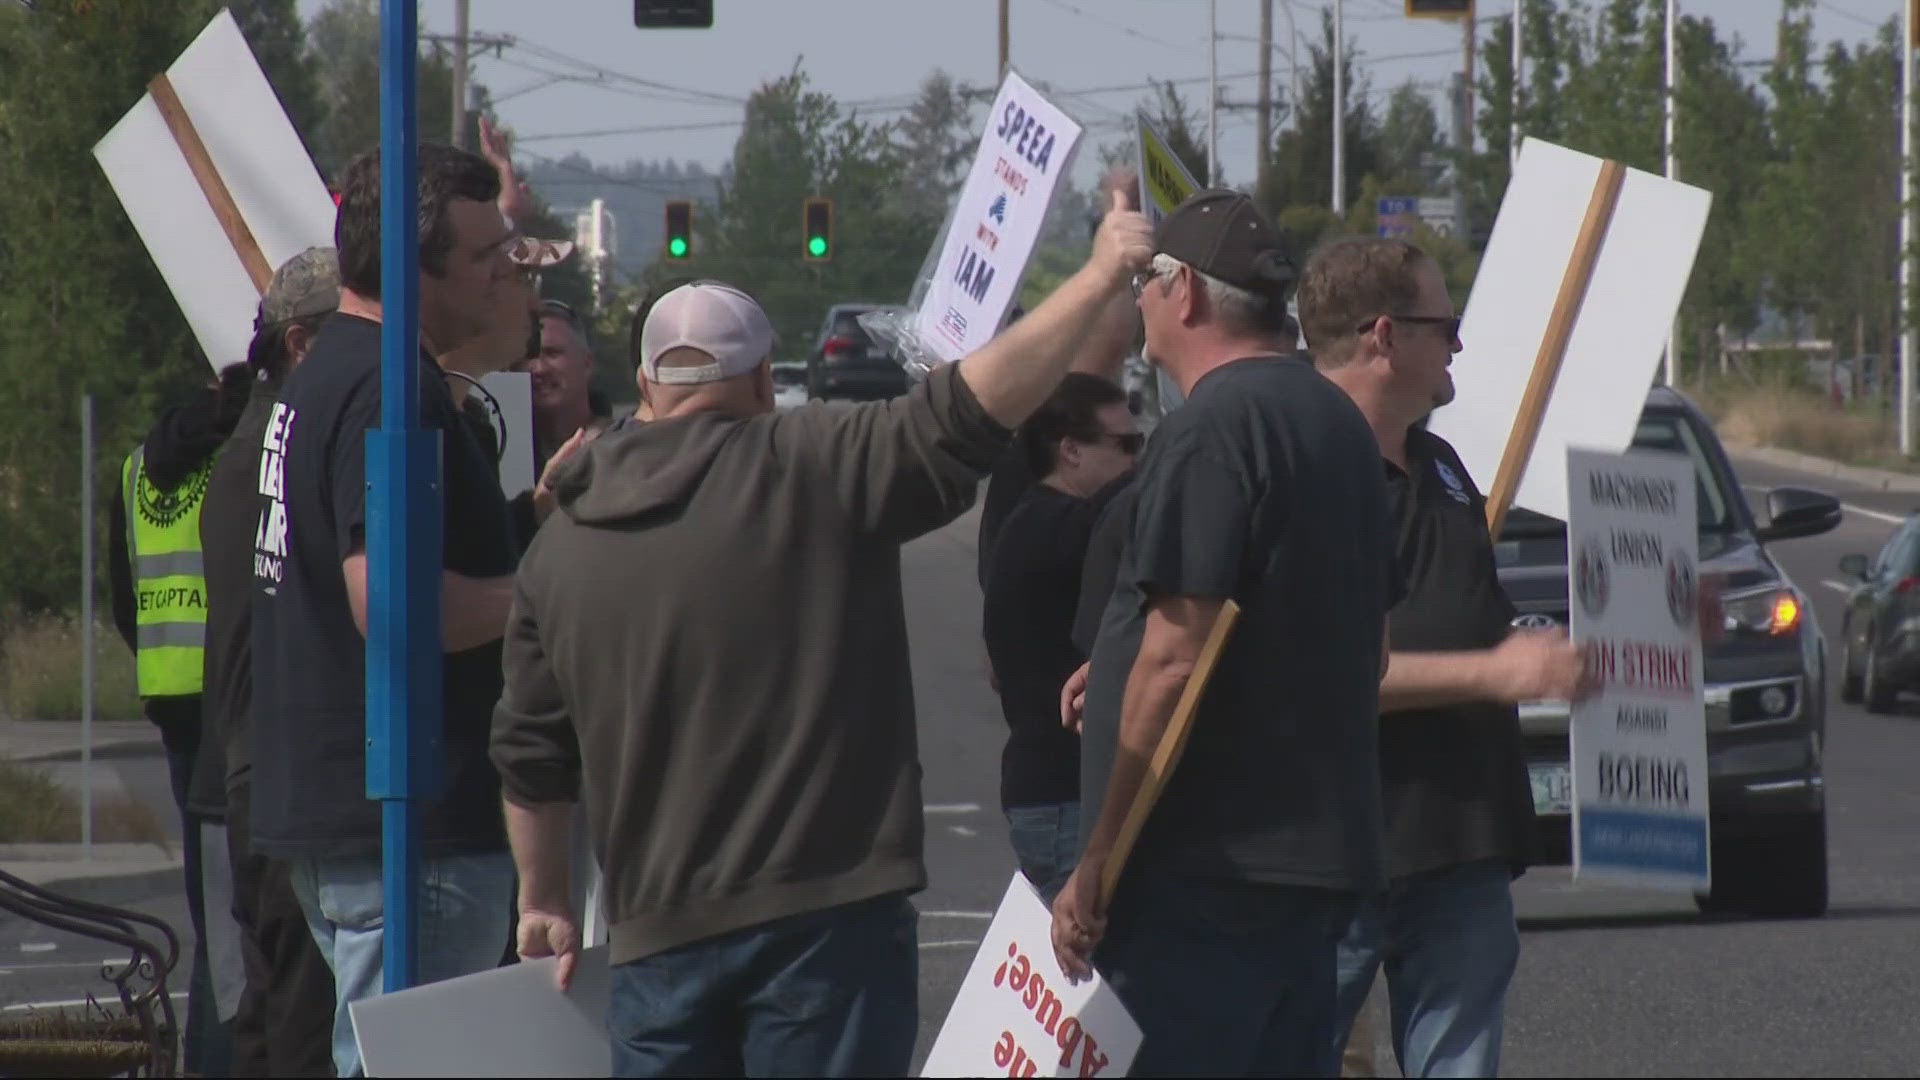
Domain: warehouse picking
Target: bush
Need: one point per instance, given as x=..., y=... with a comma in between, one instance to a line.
x=40, y=672
x=36, y=809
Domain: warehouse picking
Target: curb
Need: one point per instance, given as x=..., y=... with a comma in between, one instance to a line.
x=122, y=750
x=119, y=890
x=1875, y=479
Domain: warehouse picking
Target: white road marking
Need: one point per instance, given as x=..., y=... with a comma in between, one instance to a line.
x=952, y=808
x=957, y=914
x=1838, y=586
x=177, y=995
x=956, y=944
x=15, y=969
x=962, y=830
x=38, y=946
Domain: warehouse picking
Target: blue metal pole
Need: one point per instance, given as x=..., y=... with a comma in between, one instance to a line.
x=403, y=523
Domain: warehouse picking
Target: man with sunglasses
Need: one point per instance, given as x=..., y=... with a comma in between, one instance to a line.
x=1263, y=488
x=1080, y=443
x=1459, y=810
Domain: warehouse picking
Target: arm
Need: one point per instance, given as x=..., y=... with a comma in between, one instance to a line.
x=536, y=750
x=473, y=611
x=120, y=571
x=1527, y=666
x=1012, y=374
x=1176, y=630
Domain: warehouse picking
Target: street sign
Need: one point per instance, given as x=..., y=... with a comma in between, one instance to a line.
x=1439, y=9
x=1398, y=214
x=673, y=14
x=1164, y=181
x=1640, y=741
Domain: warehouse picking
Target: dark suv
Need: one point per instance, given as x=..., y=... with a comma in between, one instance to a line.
x=847, y=363
x=1765, y=677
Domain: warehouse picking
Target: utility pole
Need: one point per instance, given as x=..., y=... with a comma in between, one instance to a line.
x=1339, y=107
x=1004, y=40
x=1909, y=339
x=1213, y=91
x=1513, y=109
x=1263, y=156
x=1670, y=366
x=459, y=135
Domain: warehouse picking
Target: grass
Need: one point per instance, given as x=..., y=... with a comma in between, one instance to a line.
x=1792, y=418
x=36, y=809
x=40, y=672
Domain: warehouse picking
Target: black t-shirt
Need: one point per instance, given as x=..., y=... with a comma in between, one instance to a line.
x=1454, y=779
x=309, y=660
x=1101, y=567
x=1264, y=487
x=1012, y=477
x=1032, y=594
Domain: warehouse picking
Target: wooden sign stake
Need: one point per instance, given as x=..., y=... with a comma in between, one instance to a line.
x=1167, y=755
x=214, y=188
x=1553, y=347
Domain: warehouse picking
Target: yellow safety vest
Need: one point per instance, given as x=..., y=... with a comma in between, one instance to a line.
x=169, y=578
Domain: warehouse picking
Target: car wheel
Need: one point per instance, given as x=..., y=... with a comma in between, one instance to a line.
x=1782, y=876
x=1849, y=677
x=1875, y=690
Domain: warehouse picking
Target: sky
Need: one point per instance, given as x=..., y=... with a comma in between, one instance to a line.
x=580, y=76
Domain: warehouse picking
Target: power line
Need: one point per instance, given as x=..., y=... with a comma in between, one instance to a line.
x=557, y=56
x=1121, y=27
x=1838, y=10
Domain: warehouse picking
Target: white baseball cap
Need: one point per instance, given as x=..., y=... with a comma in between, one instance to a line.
x=716, y=319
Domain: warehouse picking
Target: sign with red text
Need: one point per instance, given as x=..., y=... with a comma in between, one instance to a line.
x=1640, y=741
x=1016, y=1013
x=1024, y=153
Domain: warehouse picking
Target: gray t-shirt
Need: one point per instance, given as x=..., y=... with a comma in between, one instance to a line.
x=1265, y=487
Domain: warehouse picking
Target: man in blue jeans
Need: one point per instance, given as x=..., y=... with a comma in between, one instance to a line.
x=708, y=644
x=1459, y=808
x=308, y=711
x=1263, y=488
x=1080, y=442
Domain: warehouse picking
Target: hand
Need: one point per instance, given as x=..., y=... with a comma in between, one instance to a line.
x=1078, y=922
x=1123, y=245
x=1537, y=665
x=1122, y=179
x=516, y=197
x=543, y=498
x=1073, y=699
x=544, y=933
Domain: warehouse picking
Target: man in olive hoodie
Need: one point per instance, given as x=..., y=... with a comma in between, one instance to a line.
x=708, y=646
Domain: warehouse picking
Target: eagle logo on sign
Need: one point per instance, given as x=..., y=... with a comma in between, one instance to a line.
x=1592, y=579
x=1683, y=590
x=998, y=211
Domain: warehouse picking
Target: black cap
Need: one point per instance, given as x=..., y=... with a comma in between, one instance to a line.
x=1222, y=234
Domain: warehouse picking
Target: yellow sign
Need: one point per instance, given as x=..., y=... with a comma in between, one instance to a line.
x=1164, y=182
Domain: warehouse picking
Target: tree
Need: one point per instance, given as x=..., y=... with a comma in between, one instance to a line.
x=1412, y=155
x=344, y=50
x=1179, y=126
x=1302, y=172
x=936, y=141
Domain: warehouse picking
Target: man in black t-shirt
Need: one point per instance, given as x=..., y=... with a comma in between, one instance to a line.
x=310, y=601
x=1264, y=487
x=1078, y=443
x=1459, y=809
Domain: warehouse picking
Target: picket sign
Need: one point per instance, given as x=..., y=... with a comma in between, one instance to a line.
x=1164, y=182
x=1025, y=151
x=1570, y=311
x=1017, y=1014
x=217, y=184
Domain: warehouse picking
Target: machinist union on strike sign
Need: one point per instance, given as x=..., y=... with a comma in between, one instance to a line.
x=1640, y=742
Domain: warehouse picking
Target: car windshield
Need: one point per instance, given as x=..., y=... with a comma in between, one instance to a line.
x=847, y=324
x=1531, y=538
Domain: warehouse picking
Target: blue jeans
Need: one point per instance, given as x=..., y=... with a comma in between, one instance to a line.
x=826, y=993
x=464, y=903
x=1449, y=944
x=1226, y=978
x=206, y=1044
x=1046, y=840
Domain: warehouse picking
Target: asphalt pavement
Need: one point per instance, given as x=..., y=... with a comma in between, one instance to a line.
x=1611, y=981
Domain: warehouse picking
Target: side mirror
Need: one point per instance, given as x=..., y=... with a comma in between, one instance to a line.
x=1796, y=512
x=1854, y=566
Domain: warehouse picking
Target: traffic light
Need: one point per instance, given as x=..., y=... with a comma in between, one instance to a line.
x=1439, y=9
x=673, y=14
x=679, y=229
x=818, y=234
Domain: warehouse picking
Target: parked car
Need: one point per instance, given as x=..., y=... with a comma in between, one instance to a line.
x=847, y=363
x=1880, y=633
x=1765, y=677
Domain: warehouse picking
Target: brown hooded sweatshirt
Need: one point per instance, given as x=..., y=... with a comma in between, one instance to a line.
x=709, y=649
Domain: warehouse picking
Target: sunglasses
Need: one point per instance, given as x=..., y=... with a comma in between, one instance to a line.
x=1140, y=281
x=1449, y=323
x=1129, y=443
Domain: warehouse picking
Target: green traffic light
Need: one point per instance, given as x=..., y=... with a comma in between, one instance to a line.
x=817, y=246
x=677, y=247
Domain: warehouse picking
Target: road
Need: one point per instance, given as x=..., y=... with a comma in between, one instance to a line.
x=1611, y=982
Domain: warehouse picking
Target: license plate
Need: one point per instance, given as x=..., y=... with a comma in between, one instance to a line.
x=1552, y=789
